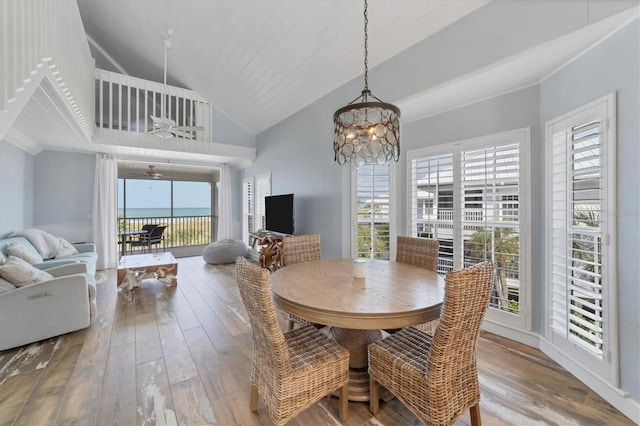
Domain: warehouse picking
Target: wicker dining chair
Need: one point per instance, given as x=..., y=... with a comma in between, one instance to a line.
x=423, y=253
x=296, y=249
x=290, y=370
x=436, y=376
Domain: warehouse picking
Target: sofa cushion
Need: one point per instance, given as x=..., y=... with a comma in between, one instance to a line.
x=6, y=286
x=66, y=249
x=21, y=251
x=88, y=259
x=21, y=241
x=20, y=273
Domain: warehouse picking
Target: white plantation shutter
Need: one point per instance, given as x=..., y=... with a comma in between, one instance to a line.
x=558, y=255
x=581, y=262
x=468, y=196
x=432, y=204
x=489, y=215
x=247, y=209
x=262, y=189
x=254, y=189
x=372, y=211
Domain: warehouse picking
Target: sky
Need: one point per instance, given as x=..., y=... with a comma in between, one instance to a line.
x=157, y=194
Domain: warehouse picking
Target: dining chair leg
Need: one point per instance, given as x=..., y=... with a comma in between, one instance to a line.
x=344, y=403
x=253, y=401
x=374, y=403
x=475, y=415
x=292, y=324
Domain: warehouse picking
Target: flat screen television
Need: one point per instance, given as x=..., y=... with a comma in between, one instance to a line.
x=279, y=213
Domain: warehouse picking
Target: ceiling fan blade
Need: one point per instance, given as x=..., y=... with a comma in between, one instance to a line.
x=189, y=128
x=185, y=135
x=162, y=121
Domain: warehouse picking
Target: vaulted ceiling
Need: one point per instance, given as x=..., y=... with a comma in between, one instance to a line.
x=259, y=61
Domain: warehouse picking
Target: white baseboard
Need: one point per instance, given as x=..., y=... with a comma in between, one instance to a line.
x=521, y=336
x=617, y=397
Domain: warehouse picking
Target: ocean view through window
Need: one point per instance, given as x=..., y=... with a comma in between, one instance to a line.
x=184, y=207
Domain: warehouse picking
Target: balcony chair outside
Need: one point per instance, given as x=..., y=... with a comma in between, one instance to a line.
x=155, y=237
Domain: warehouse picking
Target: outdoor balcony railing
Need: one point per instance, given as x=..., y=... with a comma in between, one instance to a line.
x=181, y=231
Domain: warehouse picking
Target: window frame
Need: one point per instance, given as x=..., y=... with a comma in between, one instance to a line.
x=604, y=107
x=523, y=320
x=255, y=204
x=392, y=210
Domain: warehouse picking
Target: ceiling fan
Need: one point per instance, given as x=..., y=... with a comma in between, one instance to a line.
x=164, y=127
x=152, y=173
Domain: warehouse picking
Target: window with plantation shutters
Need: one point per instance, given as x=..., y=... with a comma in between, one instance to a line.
x=262, y=189
x=254, y=189
x=489, y=217
x=468, y=196
x=247, y=209
x=581, y=256
x=432, y=203
x=372, y=211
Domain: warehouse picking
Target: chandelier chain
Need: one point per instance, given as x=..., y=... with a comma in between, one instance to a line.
x=366, y=45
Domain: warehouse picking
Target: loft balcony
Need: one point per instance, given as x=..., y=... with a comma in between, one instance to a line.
x=125, y=104
x=123, y=124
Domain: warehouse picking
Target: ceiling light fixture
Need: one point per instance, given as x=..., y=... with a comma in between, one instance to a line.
x=366, y=131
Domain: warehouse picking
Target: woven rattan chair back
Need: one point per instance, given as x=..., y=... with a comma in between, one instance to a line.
x=269, y=345
x=289, y=371
x=452, y=358
x=436, y=376
x=296, y=249
x=421, y=252
x=301, y=248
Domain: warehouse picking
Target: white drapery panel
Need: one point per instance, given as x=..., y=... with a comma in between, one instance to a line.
x=225, y=225
x=105, y=205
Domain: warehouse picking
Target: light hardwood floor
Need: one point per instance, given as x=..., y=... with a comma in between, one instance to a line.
x=182, y=355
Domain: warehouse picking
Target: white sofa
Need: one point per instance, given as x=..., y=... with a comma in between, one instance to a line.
x=46, y=309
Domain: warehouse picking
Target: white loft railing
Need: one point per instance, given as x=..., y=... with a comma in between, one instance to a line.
x=125, y=104
x=44, y=39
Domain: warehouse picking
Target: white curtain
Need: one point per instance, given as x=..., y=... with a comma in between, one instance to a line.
x=225, y=224
x=105, y=206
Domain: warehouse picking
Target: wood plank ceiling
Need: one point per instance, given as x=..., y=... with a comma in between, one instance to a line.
x=259, y=61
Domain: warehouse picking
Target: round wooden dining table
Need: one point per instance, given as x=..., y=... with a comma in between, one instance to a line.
x=391, y=295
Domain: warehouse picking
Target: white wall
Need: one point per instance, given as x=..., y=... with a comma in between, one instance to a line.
x=227, y=131
x=16, y=188
x=63, y=194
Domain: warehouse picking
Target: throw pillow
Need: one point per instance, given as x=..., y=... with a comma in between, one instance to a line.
x=23, y=253
x=66, y=249
x=20, y=273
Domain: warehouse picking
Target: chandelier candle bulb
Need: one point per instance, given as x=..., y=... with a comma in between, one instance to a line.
x=359, y=267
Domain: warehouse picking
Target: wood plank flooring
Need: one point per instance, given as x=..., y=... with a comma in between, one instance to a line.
x=182, y=355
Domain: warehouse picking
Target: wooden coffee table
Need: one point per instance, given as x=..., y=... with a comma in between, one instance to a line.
x=134, y=268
